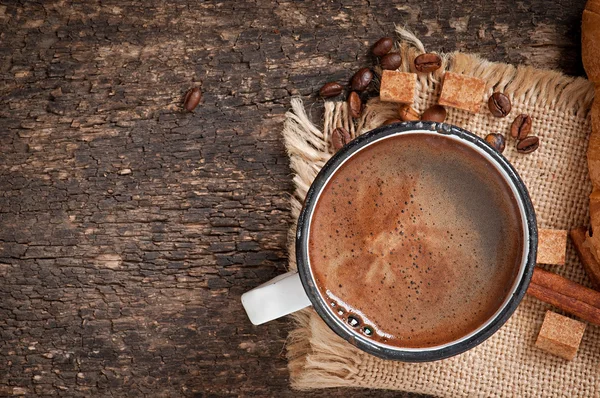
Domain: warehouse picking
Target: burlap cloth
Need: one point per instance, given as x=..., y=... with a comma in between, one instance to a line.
x=507, y=364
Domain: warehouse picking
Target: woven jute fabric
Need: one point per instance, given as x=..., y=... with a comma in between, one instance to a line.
x=507, y=364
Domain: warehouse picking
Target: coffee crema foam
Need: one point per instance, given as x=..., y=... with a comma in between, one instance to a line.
x=416, y=241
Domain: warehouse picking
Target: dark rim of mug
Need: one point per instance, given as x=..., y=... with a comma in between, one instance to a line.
x=365, y=344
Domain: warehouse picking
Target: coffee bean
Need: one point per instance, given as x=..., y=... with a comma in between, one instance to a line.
x=382, y=47
x=496, y=141
x=391, y=121
x=361, y=79
x=407, y=113
x=392, y=61
x=354, y=104
x=499, y=105
x=340, y=137
x=521, y=126
x=192, y=99
x=331, y=89
x=429, y=62
x=436, y=113
x=528, y=144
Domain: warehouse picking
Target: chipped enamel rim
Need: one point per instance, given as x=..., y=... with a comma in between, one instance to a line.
x=512, y=300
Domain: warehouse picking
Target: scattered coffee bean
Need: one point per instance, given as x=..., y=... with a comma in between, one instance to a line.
x=392, y=61
x=528, y=144
x=407, y=113
x=428, y=62
x=361, y=79
x=496, y=141
x=340, y=137
x=436, y=113
x=521, y=126
x=192, y=99
x=354, y=104
x=331, y=89
x=499, y=105
x=382, y=47
x=391, y=121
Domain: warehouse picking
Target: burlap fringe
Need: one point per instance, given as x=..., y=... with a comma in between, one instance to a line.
x=317, y=361
x=524, y=84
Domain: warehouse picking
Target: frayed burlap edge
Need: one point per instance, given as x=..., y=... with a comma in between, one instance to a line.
x=313, y=354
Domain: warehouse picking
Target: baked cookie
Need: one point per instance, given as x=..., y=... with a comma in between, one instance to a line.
x=590, y=53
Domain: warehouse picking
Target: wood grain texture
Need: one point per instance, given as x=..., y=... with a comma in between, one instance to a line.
x=128, y=228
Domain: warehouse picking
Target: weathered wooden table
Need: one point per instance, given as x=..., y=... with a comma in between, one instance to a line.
x=128, y=229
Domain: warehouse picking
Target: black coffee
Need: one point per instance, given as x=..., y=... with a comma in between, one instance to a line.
x=416, y=241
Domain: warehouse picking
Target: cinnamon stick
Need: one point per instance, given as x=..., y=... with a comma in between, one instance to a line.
x=565, y=286
x=566, y=295
x=569, y=304
x=592, y=267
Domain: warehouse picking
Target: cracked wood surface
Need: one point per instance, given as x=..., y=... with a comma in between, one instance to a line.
x=128, y=229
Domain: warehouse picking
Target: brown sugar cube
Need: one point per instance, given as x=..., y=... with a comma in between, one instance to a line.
x=398, y=87
x=560, y=335
x=462, y=91
x=552, y=246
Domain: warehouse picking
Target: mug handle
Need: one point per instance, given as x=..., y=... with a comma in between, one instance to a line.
x=280, y=296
